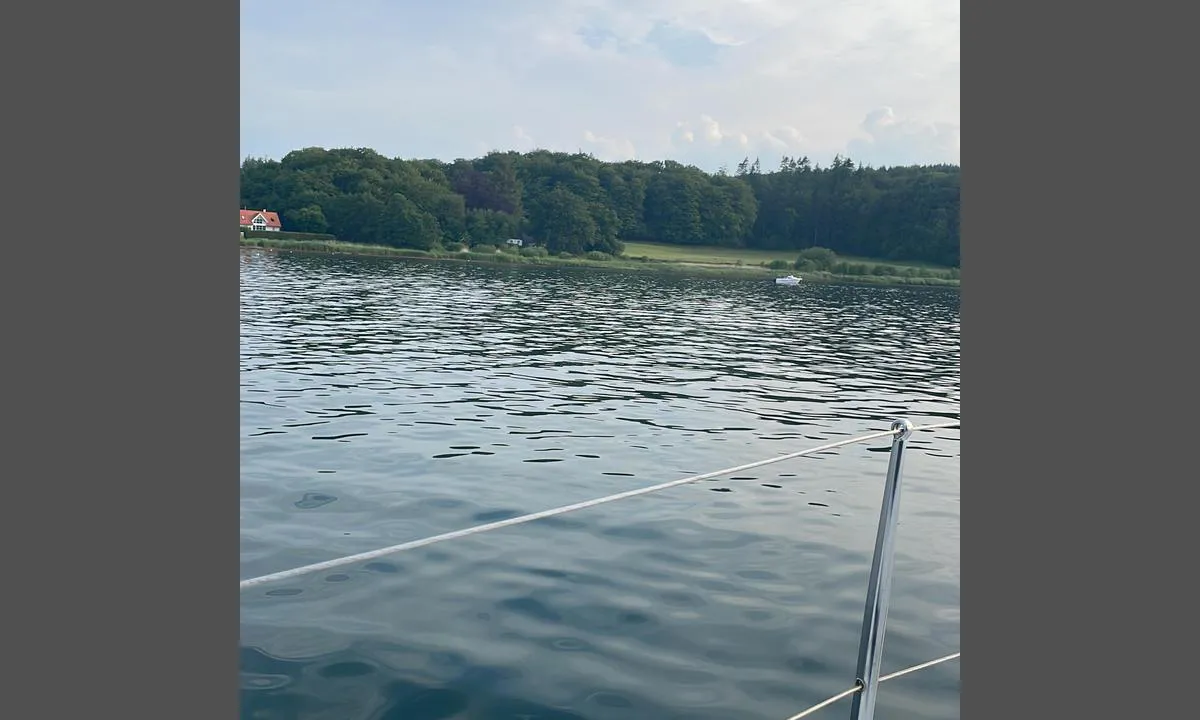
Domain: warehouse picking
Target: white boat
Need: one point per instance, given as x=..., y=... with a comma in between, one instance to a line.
x=789, y=280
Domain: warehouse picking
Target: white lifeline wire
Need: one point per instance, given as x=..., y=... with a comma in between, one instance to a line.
x=850, y=691
x=414, y=544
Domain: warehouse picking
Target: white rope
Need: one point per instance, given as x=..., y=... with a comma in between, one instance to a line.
x=414, y=544
x=922, y=666
x=830, y=701
x=850, y=691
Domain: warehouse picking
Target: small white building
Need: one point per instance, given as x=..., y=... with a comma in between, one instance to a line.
x=515, y=241
x=260, y=220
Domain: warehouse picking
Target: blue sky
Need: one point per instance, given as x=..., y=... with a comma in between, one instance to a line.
x=706, y=82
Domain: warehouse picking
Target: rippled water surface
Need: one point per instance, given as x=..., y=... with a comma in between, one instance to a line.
x=385, y=401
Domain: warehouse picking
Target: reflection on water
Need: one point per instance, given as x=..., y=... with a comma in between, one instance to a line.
x=384, y=401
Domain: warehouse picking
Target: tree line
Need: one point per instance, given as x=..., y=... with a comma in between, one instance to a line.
x=574, y=203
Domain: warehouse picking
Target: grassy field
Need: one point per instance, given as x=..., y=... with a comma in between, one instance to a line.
x=709, y=255
x=495, y=256
x=694, y=261
x=705, y=254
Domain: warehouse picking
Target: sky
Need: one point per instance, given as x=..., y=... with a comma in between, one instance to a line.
x=702, y=82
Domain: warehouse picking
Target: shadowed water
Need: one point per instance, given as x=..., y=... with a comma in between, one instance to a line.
x=384, y=401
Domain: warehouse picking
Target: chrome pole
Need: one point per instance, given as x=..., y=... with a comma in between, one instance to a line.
x=879, y=588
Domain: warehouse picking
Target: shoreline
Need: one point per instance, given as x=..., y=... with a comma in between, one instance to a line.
x=624, y=263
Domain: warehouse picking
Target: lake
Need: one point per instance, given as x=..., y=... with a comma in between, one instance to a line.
x=387, y=400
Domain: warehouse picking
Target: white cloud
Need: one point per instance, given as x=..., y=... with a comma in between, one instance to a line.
x=900, y=141
x=610, y=149
x=784, y=139
x=700, y=81
x=522, y=139
x=706, y=132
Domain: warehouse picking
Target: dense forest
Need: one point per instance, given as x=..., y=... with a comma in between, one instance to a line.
x=574, y=203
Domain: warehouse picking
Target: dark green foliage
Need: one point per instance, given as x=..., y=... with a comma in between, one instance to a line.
x=576, y=204
x=286, y=235
x=491, y=227
x=779, y=265
x=816, y=258
x=308, y=219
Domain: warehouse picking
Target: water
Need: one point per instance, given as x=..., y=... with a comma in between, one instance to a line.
x=384, y=401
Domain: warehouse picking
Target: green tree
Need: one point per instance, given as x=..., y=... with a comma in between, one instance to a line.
x=577, y=203
x=563, y=222
x=403, y=223
x=310, y=218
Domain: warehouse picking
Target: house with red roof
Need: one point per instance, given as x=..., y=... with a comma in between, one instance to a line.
x=260, y=220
